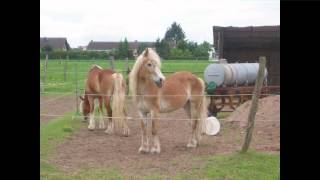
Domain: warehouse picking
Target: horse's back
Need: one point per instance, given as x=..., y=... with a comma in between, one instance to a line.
x=184, y=78
x=98, y=79
x=178, y=89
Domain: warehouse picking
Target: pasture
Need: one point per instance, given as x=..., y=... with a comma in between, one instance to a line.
x=69, y=151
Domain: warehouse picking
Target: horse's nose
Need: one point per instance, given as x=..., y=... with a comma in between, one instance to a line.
x=159, y=82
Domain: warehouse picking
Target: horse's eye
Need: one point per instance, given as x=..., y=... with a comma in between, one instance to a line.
x=149, y=64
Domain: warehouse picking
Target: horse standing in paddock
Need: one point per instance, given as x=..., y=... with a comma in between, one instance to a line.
x=153, y=93
x=104, y=84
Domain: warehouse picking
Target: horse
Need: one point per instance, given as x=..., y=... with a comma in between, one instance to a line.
x=154, y=93
x=102, y=85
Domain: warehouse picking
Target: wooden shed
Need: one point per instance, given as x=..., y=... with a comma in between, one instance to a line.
x=246, y=44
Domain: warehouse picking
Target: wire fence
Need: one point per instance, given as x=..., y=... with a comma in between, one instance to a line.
x=141, y=118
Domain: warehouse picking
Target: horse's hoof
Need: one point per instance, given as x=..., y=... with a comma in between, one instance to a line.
x=91, y=128
x=102, y=127
x=191, y=145
x=143, y=150
x=126, y=133
x=108, y=131
x=155, y=150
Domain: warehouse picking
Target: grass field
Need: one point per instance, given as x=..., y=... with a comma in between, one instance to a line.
x=55, y=71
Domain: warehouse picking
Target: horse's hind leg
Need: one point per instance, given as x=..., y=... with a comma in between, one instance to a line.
x=109, y=111
x=194, y=123
x=101, y=121
x=144, y=148
x=91, y=121
x=156, y=143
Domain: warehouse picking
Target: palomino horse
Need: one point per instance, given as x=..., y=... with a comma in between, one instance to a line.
x=104, y=84
x=153, y=93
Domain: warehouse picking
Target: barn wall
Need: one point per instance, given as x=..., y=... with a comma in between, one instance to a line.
x=246, y=44
x=244, y=55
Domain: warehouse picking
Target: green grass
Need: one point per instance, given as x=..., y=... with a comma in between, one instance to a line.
x=251, y=165
x=55, y=131
x=55, y=71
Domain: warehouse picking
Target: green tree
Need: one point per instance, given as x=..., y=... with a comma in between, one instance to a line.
x=123, y=50
x=162, y=48
x=141, y=48
x=203, y=50
x=174, y=33
x=47, y=48
x=126, y=50
x=191, y=46
x=183, y=45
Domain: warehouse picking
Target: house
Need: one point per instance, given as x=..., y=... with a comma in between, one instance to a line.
x=55, y=43
x=246, y=44
x=109, y=46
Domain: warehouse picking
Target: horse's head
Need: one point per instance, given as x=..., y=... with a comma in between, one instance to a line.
x=150, y=68
x=84, y=107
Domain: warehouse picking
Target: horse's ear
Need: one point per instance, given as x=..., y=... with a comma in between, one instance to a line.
x=147, y=51
x=81, y=98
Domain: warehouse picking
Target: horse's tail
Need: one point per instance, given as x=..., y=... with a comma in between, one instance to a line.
x=202, y=112
x=118, y=98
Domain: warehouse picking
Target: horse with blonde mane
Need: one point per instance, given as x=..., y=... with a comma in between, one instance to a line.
x=108, y=87
x=153, y=93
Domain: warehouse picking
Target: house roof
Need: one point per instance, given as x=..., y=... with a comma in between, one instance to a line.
x=55, y=43
x=100, y=45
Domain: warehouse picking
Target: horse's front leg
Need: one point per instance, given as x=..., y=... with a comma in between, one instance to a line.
x=126, y=130
x=144, y=148
x=156, y=143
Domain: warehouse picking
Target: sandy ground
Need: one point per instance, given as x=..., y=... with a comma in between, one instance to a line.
x=96, y=149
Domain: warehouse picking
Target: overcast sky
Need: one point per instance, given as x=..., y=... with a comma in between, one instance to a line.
x=146, y=20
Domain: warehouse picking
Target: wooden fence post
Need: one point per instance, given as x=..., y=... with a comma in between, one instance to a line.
x=254, y=104
x=45, y=71
x=65, y=71
x=76, y=79
x=112, y=62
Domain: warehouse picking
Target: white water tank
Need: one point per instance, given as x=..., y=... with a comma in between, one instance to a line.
x=232, y=74
x=214, y=73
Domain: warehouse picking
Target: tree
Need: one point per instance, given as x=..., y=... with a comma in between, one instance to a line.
x=183, y=45
x=174, y=33
x=163, y=48
x=203, y=50
x=47, y=48
x=123, y=50
x=126, y=50
x=141, y=48
x=191, y=46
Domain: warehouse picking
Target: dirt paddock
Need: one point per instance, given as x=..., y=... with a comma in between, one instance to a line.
x=95, y=149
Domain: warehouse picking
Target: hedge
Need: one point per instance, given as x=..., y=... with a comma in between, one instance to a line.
x=75, y=55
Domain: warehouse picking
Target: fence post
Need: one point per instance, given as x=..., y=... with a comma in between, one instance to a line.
x=65, y=71
x=254, y=104
x=127, y=63
x=76, y=78
x=45, y=71
x=112, y=62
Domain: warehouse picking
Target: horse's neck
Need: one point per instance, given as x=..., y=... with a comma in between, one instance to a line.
x=146, y=87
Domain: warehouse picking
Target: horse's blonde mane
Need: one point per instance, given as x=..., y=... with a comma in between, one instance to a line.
x=133, y=76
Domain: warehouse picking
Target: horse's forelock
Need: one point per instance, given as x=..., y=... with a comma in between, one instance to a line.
x=153, y=55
